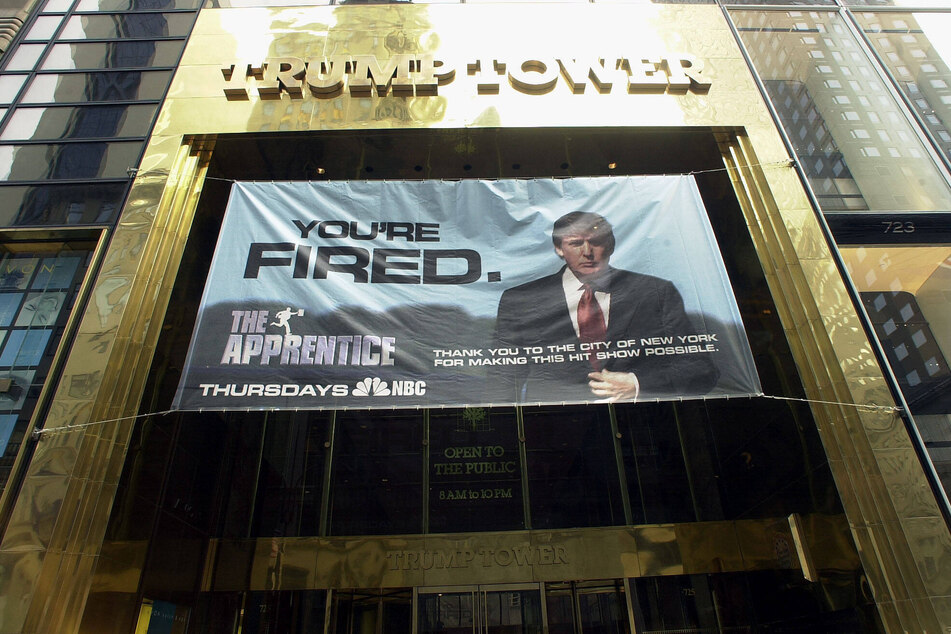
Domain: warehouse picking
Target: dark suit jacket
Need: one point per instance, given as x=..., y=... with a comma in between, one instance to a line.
x=642, y=307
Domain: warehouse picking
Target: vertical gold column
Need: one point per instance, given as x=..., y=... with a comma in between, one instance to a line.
x=50, y=549
x=901, y=537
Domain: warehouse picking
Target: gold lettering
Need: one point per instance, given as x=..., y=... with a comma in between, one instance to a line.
x=534, y=76
x=577, y=75
x=282, y=73
x=324, y=76
x=369, y=74
x=646, y=75
x=486, y=72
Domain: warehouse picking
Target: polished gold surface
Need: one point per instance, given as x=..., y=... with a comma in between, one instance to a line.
x=895, y=522
x=55, y=538
x=304, y=563
x=53, y=541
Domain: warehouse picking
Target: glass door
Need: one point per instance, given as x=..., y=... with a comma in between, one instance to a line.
x=501, y=609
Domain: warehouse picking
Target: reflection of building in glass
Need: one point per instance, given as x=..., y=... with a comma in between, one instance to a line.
x=920, y=70
x=815, y=146
x=842, y=100
x=906, y=294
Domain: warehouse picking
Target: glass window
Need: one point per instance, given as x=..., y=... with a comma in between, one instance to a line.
x=57, y=6
x=95, y=203
x=480, y=1
x=303, y=608
x=657, y=482
x=127, y=26
x=572, y=468
x=44, y=27
x=135, y=5
x=783, y=2
x=907, y=294
x=25, y=56
x=916, y=47
x=10, y=86
x=388, y=611
x=86, y=122
x=938, y=4
x=290, y=482
x=377, y=474
x=74, y=160
x=216, y=4
x=124, y=54
x=104, y=86
x=851, y=137
x=475, y=479
x=597, y=606
x=37, y=287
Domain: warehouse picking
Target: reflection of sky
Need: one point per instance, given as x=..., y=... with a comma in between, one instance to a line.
x=659, y=222
x=937, y=28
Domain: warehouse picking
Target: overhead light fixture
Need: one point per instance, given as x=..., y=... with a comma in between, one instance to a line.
x=611, y=166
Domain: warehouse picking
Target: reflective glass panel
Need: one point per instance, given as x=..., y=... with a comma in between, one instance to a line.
x=104, y=86
x=96, y=203
x=907, y=294
x=475, y=479
x=43, y=28
x=388, y=611
x=215, y=4
x=304, y=609
x=127, y=25
x=87, y=122
x=850, y=136
x=37, y=289
x=10, y=86
x=587, y=606
x=57, y=6
x=135, y=5
x=124, y=54
x=916, y=47
x=782, y=2
x=937, y=4
x=570, y=454
x=290, y=482
x=25, y=56
x=74, y=160
x=377, y=474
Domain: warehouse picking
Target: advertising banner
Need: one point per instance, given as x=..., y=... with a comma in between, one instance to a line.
x=389, y=294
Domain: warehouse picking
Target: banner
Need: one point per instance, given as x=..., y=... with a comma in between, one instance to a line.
x=389, y=294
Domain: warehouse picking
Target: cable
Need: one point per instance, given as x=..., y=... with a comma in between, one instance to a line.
x=52, y=431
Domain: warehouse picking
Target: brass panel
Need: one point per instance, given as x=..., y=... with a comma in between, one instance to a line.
x=927, y=538
x=911, y=497
x=837, y=366
x=709, y=546
x=59, y=520
x=658, y=552
x=120, y=566
x=767, y=547
x=942, y=608
x=299, y=563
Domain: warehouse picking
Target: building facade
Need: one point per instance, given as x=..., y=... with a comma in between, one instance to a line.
x=817, y=136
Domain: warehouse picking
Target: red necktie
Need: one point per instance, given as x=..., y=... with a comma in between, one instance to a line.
x=591, y=326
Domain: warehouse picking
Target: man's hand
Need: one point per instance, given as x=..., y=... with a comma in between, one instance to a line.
x=614, y=386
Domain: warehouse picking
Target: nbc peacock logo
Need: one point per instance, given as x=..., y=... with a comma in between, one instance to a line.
x=371, y=387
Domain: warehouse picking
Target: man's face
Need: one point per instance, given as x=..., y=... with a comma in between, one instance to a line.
x=586, y=253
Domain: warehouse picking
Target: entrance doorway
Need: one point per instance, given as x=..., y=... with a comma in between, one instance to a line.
x=488, y=609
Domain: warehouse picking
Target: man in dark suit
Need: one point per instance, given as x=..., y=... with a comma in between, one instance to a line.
x=593, y=306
